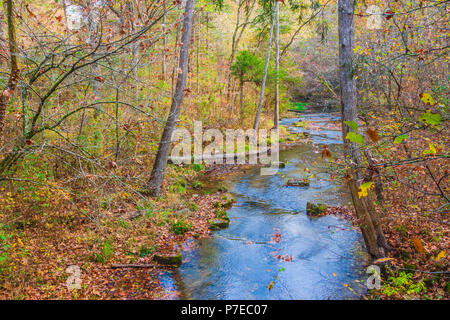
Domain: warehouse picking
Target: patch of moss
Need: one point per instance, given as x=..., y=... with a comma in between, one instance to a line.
x=315, y=209
x=169, y=259
x=215, y=224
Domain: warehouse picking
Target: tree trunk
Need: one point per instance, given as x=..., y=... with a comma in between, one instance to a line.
x=237, y=35
x=177, y=36
x=266, y=67
x=157, y=176
x=233, y=48
x=134, y=46
x=163, y=64
x=241, y=98
x=369, y=222
x=198, y=54
x=14, y=70
x=276, y=114
x=92, y=41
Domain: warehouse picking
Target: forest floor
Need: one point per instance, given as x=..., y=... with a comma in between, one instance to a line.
x=44, y=251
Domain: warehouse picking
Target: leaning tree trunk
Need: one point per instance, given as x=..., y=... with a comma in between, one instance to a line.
x=266, y=67
x=276, y=114
x=370, y=226
x=155, y=183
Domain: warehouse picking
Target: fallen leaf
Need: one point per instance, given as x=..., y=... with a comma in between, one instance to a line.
x=440, y=255
x=382, y=260
x=373, y=134
x=418, y=245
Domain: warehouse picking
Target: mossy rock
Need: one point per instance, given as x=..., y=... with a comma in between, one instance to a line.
x=297, y=183
x=174, y=259
x=228, y=204
x=228, y=196
x=300, y=124
x=315, y=209
x=221, y=187
x=280, y=165
x=291, y=138
x=216, y=224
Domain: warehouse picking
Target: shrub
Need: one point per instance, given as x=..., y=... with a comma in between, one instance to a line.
x=180, y=227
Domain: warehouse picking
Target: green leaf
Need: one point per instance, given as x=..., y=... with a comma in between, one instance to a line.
x=430, y=118
x=400, y=138
x=352, y=124
x=355, y=137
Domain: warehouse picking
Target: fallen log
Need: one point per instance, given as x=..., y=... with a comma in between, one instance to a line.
x=131, y=265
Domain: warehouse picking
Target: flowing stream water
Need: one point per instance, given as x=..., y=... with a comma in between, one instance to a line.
x=241, y=261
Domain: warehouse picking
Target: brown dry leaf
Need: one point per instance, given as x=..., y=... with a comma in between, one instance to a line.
x=373, y=134
x=7, y=93
x=99, y=79
x=326, y=153
x=418, y=245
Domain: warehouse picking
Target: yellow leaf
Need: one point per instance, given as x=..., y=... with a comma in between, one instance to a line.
x=431, y=150
x=382, y=260
x=427, y=98
x=440, y=255
x=364, y=188
x=334, y=274
x=270, y=286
